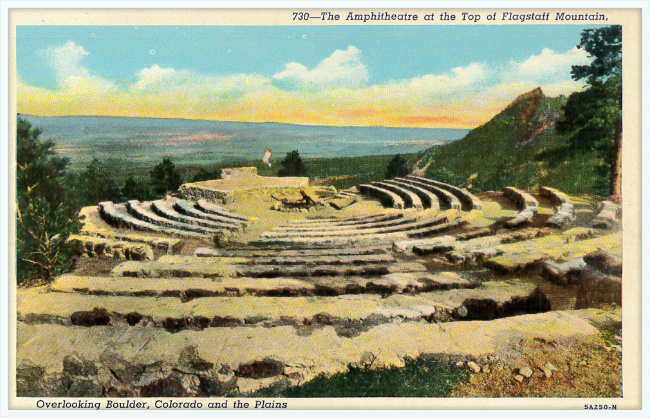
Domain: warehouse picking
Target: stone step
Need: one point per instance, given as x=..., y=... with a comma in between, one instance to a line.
x=446, y=198
x=189, y=266
x=406, y=246
x=135, y=208
x=346, y=221
x=489, y=301
x=297, y=253
x=522, y=199
x=51, y=361
x=494, y=244
x=607, y=216
x=609, y=260
x=116, y=216
x=370, y=239
x=300, y=230
x=596, y=288
x=523, y=217
x=411, y=200
x=429, y=199
x=187, y=208
x=191, y=288
x=386, y=197
x=522, y=255
x=93, y=226
x=467, y=199
x=166, y=210
x=208, y=207
x=414, y=224
x=93, y=246
x=563, y=272
x=563, y=215
x=557, y=197
x=359, y=259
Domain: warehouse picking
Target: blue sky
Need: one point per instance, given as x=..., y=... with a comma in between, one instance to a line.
x=287, y=56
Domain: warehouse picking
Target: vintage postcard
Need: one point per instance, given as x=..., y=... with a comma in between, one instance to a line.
x=301, y=208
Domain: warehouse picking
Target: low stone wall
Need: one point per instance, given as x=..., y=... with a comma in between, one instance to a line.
x=96, y=247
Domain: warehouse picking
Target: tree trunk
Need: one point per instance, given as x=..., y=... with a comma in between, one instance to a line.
x=615, y=173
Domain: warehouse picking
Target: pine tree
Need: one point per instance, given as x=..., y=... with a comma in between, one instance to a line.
x=45, y=211
x=595, y=115
x=397, y=167
x=292, y=165
x=165, y=177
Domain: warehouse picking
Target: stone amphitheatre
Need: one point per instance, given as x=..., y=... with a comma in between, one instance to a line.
x=247, y=281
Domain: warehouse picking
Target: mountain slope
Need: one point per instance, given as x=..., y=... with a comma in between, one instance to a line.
x=518, y=147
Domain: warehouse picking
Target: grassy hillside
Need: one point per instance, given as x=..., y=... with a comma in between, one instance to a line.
x=518, y=147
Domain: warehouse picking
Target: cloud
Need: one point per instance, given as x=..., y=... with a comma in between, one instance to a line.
x=549, y=64
x=342, y=68
x=334, y=92
x=66, y=60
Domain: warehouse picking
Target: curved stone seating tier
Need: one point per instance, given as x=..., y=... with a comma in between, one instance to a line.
x=557, y=197
x=116, y=217
x=93, y=246
x=563, y=215
x=205, y=206
x=386, y=197
x=165, y=210
x=413, y=224
x=411, y=283
x=187, y=208
x=410, y=199
x=308, y=253
x=607, y=216
x=299, y=223
x=526, y=203
x=378, y=224
x=468, y=200
x=522, y=199
x=187, y=266
x=135, y=208
x=429, y=199
x=447, y=198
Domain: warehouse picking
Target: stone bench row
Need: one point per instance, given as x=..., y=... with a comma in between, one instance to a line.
x=188, y=289
x=350, y=222
x=467, y=199
x=411, y=200
x=408, y=224
x=525, y=202
x=386, y=197
x=307, y=253
x=564, y=211
x=607, y=216
x=165, y=210
x=209, y=268
x=172, y=313
x=429, y=200
x=187, y=208
x=92, y=246
x=446, y=198
x=345, y=227
x=114, y=216
x=91, y=226
x=135, y=208
x=208, y=207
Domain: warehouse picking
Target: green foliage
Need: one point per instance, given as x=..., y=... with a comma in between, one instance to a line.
x=594, y=117
x=418, y=378
x=133, y=189
x=605, y=45
x=45, y=211
x=292, y=165
x=94, y=185
x=165, y=177
x=397, y=167
x=204, y=175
